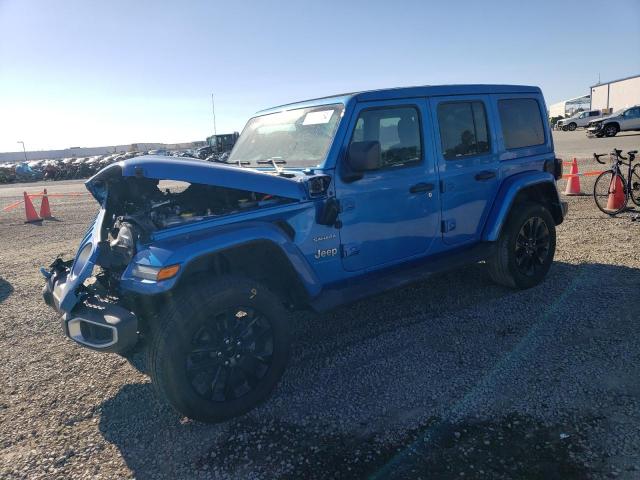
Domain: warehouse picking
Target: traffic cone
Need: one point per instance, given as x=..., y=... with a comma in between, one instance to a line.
x=616, y=194
x=573, y=184
x=45, y=210
x=32, y=216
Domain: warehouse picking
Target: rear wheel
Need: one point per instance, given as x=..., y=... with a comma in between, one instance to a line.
x=219, y=349
x=525, y=249
x=609, y=194
x=635, y=185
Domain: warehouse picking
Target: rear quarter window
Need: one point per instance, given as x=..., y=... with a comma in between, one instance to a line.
x=521, y=122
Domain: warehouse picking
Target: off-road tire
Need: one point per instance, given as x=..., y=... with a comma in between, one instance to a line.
x=502, y=266
x=191, y=309
x=572, y=126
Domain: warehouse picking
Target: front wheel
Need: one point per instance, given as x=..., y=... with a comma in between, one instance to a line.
x=219, y=348
x=572, y=126
x=609, y=193
x=610, y=130
x=525, y=248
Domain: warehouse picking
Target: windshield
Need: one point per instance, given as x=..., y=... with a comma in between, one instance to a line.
x=298, y=138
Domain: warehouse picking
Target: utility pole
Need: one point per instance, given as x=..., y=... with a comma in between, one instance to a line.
x=23, y=149
x=213, y=109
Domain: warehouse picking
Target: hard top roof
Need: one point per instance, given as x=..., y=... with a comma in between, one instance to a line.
x=408, y=92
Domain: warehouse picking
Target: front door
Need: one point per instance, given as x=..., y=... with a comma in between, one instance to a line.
x=392, y=213
x=468, y=164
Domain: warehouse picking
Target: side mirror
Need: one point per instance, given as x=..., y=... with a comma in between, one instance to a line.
x=364, y=156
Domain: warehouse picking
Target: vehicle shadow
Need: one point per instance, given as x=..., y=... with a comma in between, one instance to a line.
x=353, y=377
x=5, y=289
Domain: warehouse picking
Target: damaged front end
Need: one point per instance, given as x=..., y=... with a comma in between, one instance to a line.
x=98, y=293
x=91, y=315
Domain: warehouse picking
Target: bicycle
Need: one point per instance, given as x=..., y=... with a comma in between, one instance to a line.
x=611, y=190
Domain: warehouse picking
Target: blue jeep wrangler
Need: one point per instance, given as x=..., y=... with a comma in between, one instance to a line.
x=319, y=204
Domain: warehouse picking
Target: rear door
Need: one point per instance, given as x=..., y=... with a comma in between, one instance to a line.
x=467, y=162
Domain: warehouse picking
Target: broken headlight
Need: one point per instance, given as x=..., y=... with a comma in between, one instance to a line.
x=124, y=245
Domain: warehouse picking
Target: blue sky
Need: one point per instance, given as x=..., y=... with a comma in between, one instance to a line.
x=91, y=73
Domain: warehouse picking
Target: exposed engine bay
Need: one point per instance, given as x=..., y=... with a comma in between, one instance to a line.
x=142, y=202
x=136, y=207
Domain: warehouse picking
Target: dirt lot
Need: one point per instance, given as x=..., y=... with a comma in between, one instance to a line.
x=453, y=377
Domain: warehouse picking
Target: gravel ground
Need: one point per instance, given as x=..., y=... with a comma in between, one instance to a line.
x=453, y=377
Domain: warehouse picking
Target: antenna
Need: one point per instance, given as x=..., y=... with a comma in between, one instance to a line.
x=213, y=110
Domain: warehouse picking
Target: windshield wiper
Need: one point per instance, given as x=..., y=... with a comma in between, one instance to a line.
x=275, y=161
x=239, y=163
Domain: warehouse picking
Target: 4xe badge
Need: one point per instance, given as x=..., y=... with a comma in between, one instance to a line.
x=329, y=252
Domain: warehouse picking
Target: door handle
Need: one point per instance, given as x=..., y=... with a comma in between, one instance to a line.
x=486, y=175
x=421, y=188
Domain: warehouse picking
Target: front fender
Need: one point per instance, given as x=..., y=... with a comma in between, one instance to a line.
x=506, y=196
x=187, y=248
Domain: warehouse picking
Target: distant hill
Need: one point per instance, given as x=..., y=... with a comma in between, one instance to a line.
x=80, y=152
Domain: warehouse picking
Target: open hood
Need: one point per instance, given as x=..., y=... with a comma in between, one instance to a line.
x=195, y=171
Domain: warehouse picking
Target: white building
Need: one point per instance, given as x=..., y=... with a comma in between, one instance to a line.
x=569, y=107
x=612, y=96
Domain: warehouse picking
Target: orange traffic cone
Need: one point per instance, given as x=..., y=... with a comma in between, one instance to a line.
x=573, y=184
x=45, y=210
x=32, y=216
x=616, y=194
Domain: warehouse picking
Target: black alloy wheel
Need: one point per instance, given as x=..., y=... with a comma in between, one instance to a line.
x=230, y=355
x=532, y=246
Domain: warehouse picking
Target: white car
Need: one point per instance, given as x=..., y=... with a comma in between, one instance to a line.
x=581, y=119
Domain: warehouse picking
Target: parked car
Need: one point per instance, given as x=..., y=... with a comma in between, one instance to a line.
x=581, y=119
x=627, y=119
x=320, y=204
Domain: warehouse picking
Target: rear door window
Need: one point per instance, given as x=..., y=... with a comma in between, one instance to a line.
x=521, y=122
x=463, y=129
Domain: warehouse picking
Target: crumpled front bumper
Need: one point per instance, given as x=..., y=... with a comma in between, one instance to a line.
x=94, y=323
x=594, y=129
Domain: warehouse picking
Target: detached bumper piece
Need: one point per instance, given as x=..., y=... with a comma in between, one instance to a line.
x=103, y=326
x=94, y=323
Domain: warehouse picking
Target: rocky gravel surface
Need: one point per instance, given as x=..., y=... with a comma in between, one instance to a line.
x=453, y=377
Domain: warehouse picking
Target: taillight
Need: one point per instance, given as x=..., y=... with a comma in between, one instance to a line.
x=554, y=167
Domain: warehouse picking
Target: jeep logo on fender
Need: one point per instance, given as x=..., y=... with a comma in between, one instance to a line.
x=329, y=252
